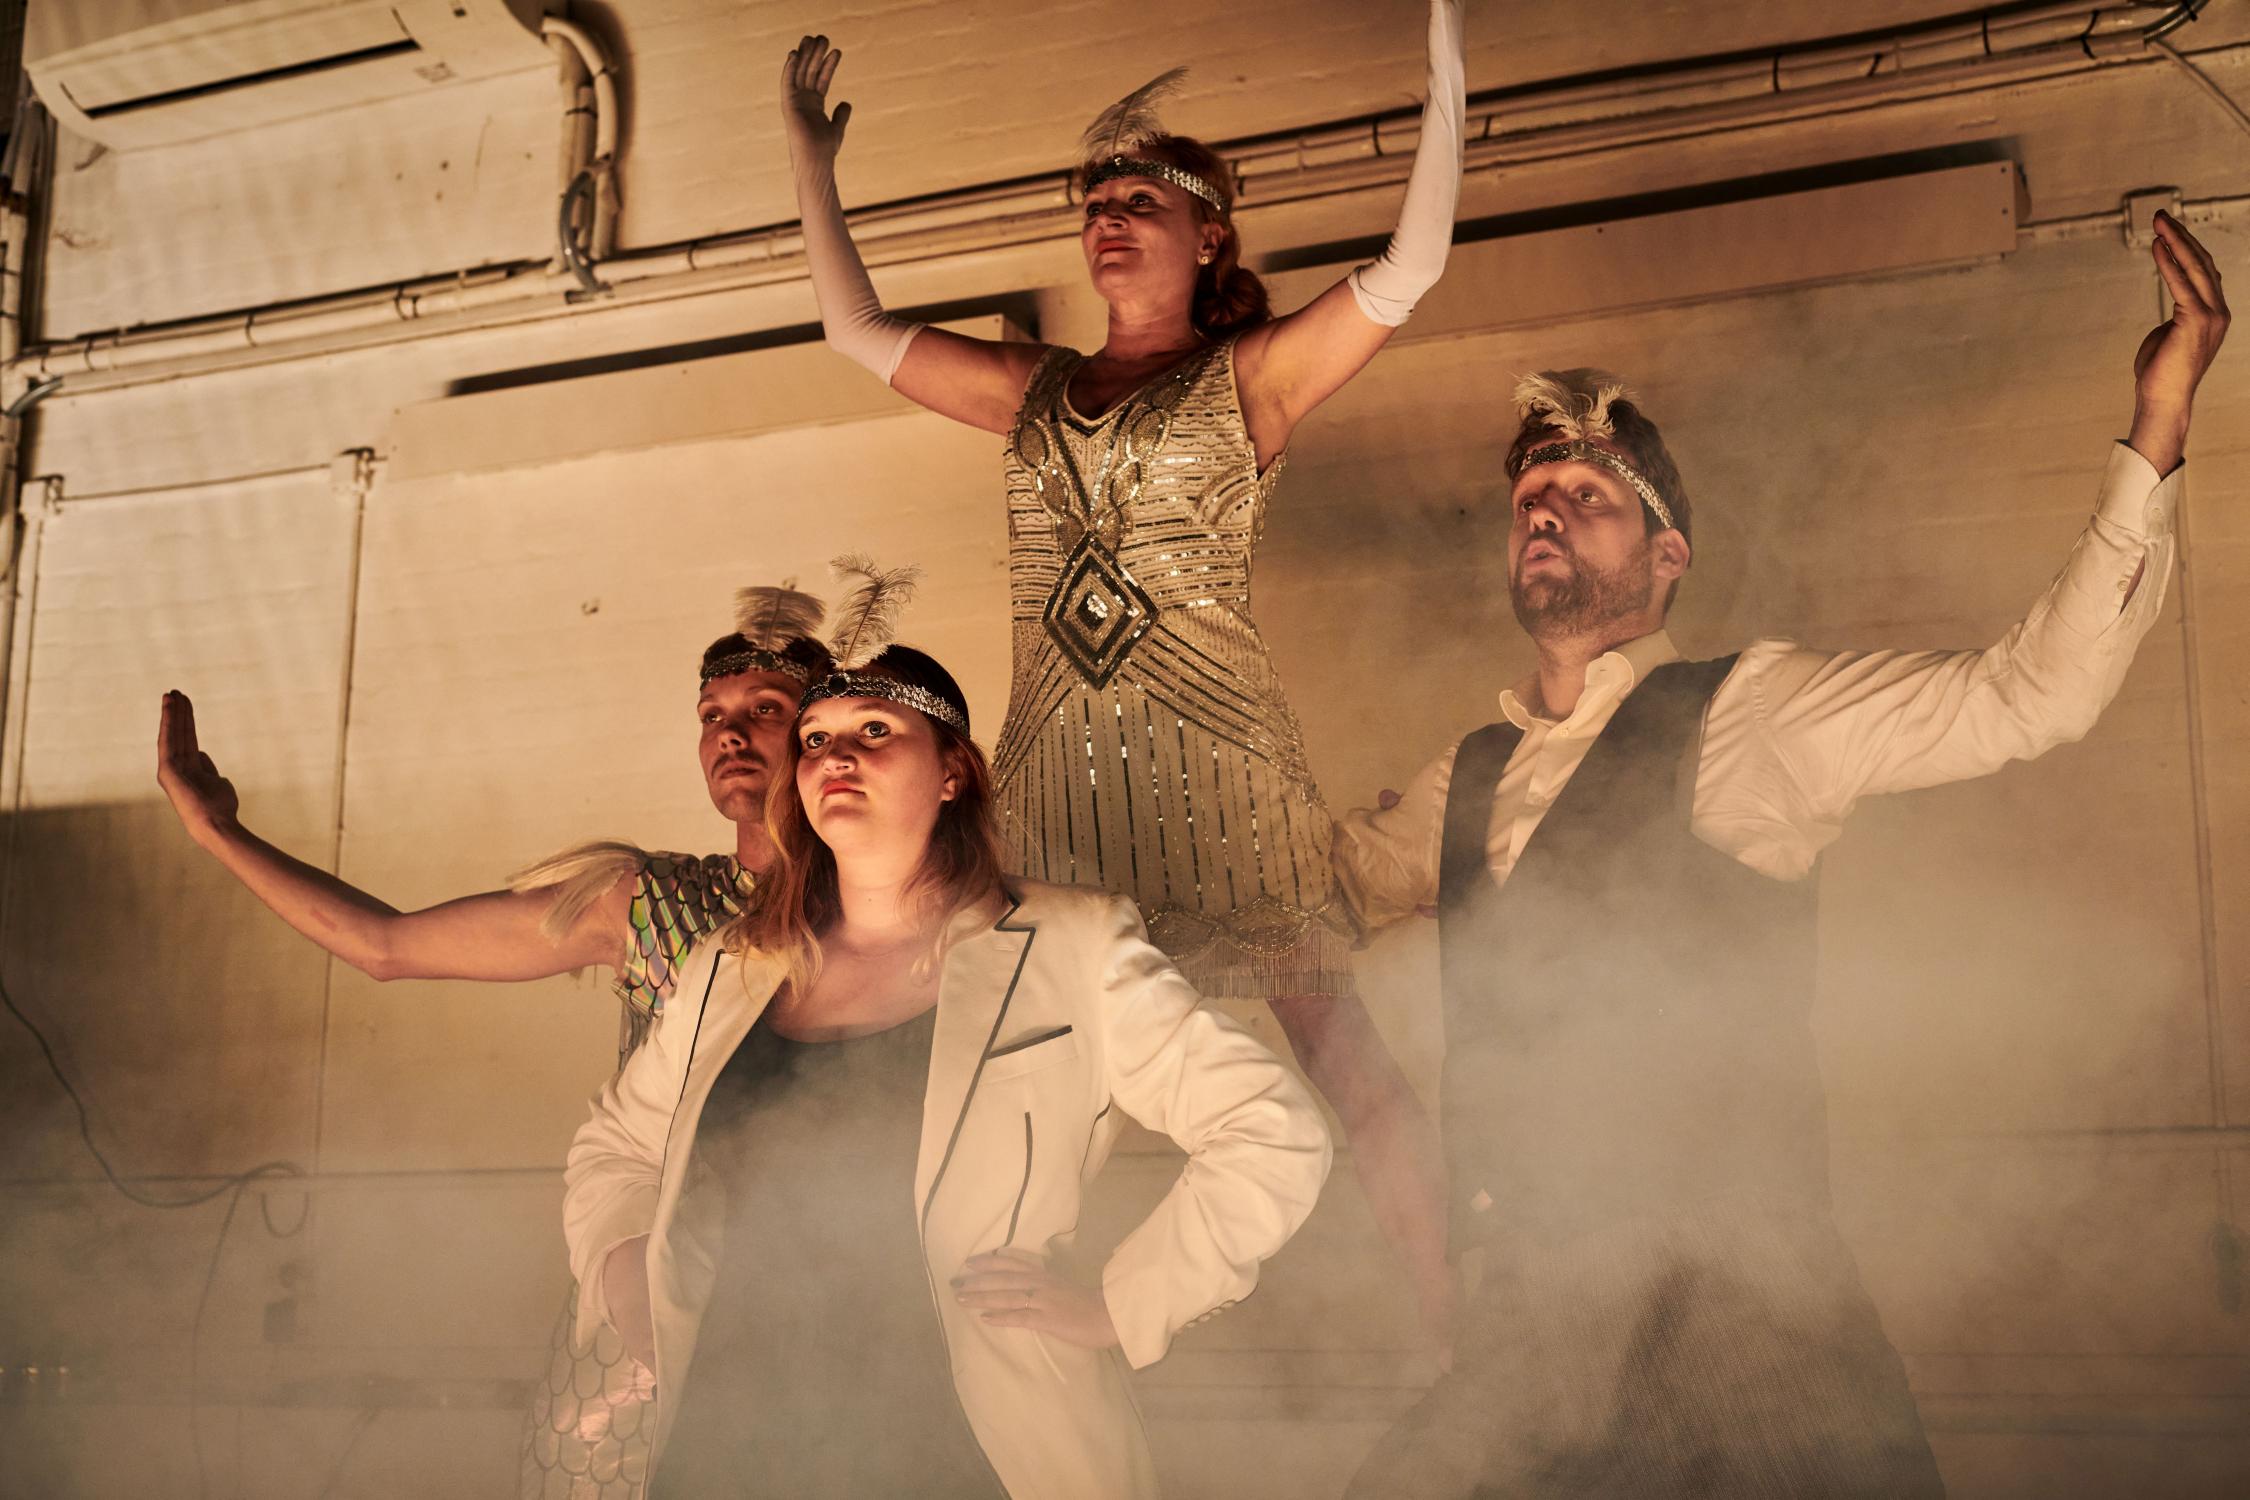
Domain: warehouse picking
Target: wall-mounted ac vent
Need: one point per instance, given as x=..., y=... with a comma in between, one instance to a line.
x=134, y=73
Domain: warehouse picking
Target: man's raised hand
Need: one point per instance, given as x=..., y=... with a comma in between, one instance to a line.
x=199, y=794
x=2172, y=359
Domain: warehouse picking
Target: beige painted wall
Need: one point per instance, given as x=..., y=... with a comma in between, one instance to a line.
x=2038, y=1058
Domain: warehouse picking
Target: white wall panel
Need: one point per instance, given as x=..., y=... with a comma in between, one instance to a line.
x=165, y=983
x=526, y=679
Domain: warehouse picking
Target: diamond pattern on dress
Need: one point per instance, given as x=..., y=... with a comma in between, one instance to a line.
x=1096, y=612
x=1149, y=747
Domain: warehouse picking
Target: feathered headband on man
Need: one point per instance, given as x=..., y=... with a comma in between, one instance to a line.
x=776, y=630
x=1575, y=406
x=1111, y=145
x=865, y=626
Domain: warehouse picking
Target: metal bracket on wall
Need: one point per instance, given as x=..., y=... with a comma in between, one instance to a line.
x=352, y=473
x=2140, y=214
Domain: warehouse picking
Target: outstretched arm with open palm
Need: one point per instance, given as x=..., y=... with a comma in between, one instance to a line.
x=977, y=381
x=492, y=935
x=2173, y=358
x=1289, y=366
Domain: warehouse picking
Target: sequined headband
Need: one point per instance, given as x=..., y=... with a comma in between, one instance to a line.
x=1162, y=171
x=755, y=659
x=877, y=685
x=1585, y=452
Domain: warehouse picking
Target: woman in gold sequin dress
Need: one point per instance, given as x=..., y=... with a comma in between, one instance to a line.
x=1148, y=746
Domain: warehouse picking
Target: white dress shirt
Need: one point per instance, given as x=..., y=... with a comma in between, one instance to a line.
x=1795, y=737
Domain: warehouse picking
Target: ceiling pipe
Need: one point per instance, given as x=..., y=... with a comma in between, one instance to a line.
x=586, y=225
x=1508, y=128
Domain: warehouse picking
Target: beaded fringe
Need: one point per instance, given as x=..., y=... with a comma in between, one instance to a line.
x=1320, y=964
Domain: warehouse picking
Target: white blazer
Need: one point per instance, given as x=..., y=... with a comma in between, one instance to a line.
x=1050, y=1022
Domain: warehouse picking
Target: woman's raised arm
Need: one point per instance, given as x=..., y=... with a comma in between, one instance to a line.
x=1287, y=367
x=976, y=381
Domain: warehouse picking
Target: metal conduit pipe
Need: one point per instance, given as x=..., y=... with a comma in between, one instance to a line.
x=576, y=87
x=21, y=174
x=2001, y=48
x=589, y=159
x=2077, y=32
x=599, y=70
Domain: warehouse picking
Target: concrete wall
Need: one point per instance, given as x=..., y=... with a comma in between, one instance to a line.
x=424, y=672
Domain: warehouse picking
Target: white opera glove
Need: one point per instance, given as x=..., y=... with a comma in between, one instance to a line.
x=851, y=315
x=1387, y=288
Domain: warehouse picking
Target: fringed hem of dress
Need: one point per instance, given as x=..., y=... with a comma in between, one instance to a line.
x=1224, y=966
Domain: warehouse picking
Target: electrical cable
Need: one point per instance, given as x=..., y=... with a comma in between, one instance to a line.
x=2181, y=15
x=365, y=1420
x=2202, y=80
x=232, y=1183
x=25, y=154
x=34, y=393
x=235, y=1184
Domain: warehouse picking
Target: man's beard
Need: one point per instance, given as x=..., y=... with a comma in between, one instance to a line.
x=1586, y=599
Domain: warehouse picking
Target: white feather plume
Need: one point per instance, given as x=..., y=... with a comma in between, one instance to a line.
x=579, y=877
x=1122, y=127
x=867, y=620
x=770, y=618
x=1575, y=403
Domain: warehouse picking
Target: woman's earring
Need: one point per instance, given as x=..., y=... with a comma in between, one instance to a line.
x=1204, y=259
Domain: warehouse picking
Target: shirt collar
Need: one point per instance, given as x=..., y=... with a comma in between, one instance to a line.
x=1609, y=677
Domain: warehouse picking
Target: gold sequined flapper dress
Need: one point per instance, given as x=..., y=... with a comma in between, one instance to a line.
x=1148, y=746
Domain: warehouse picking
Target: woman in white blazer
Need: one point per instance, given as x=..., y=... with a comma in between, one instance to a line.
x=837, y=1171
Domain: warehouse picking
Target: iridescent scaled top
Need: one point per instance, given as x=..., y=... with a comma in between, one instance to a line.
x=1148, y=746
x=680, y=900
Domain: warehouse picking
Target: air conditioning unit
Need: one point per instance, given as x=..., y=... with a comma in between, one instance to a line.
x=131, y=73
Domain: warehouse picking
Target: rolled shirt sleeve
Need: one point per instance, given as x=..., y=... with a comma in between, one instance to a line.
x=1798, y=736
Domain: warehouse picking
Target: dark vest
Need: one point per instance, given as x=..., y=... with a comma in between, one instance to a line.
x=1627, y=1026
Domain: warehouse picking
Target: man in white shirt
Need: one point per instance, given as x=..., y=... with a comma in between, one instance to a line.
x=1635, y=1129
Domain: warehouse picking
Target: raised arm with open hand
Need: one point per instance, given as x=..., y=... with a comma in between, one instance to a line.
x=815, y=135
x=494, y=935
x=1291, y=365
x=977, y=381
x=189, y=778
x=2172, y=359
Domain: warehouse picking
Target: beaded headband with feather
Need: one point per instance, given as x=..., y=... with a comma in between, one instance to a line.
x=767, y=622
x=866, y=625
x=1129, y=124
x=1575, y=405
